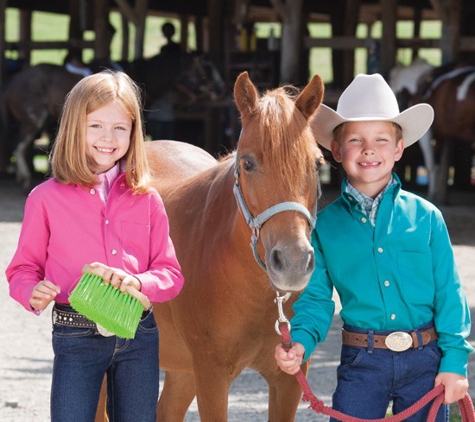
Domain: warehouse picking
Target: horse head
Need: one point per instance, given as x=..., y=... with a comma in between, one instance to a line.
x=277, y=149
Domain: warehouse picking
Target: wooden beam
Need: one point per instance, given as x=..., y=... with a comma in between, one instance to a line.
x=281, y=9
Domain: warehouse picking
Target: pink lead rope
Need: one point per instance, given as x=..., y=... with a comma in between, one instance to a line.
x=437, y=394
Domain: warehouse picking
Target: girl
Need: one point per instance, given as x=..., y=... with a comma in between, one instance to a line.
x=97, y=209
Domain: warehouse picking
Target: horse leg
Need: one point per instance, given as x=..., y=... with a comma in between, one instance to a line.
x=101, y=412
x=425, y=143
x=443, y=172
x=23, y=173
x=177, y=394
x=212, y=390
x=284, y=396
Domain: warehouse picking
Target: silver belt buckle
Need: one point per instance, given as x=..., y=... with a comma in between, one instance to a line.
x=399, y=341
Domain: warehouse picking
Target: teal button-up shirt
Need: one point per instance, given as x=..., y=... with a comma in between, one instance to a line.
x=397, y=275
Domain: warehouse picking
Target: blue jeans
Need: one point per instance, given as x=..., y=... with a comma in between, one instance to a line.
x=369, y=379
x=81, y=359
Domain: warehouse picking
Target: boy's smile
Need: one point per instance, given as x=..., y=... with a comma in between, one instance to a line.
x=368, y=151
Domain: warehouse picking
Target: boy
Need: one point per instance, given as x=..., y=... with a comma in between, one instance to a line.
x=388, y=255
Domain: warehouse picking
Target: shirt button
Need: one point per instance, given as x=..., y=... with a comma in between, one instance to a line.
x=113, y=252
x=393, y=316
x=386, y=283
x=107, y=222
x=380, y=250
x=363, y=220
x=92, y=191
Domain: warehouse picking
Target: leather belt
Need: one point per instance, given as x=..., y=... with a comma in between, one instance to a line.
x=71, y=318
x=66, y=315
x=397, y=341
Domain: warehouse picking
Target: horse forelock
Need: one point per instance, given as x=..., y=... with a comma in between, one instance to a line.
x=285, y=139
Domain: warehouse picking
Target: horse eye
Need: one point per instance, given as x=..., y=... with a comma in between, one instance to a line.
x=320, y=162
x=248, y=165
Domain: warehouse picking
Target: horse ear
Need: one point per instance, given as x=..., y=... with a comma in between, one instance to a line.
x=245, y=94
x=311, y=97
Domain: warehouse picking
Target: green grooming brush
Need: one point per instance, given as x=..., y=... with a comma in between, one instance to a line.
x=116, y=311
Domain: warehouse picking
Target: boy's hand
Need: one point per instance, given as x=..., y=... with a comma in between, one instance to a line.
x=456, y=386
x=43, y=294
x=290, y=361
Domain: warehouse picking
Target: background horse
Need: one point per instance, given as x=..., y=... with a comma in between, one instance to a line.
x=223, y=320
x=31, y=101
x=450, y=90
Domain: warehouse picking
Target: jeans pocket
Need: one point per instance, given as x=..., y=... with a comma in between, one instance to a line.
x=433, y=351
x=63, y=331
x=148, y=325
x=351, y=356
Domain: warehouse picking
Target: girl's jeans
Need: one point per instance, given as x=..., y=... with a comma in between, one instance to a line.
x=369, y=379
x=82, y=357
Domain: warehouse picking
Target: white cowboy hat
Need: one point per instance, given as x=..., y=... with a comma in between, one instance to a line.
x=370, y=98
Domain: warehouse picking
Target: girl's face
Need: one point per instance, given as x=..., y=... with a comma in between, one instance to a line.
x=368, y=151
x=107, y=136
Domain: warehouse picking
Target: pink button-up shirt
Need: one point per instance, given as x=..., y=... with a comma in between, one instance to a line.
x=66, y=227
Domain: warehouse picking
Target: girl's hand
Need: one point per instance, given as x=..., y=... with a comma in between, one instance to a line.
x=456, y=386
x=43, y=293
x=289, y=361
x=117, y=277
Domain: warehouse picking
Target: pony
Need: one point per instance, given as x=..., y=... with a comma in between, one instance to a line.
x=31, y=101
x=450, y=90
x=266, y=192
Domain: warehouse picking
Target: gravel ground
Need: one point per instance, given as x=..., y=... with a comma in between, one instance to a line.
x=26, y=354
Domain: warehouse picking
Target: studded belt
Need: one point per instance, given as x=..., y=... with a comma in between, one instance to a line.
x=397, y=341
x=66, y=315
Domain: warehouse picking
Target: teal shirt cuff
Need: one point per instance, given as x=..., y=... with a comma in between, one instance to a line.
x=455, y=361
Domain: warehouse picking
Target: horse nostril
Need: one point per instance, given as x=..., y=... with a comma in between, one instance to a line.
x=276, y=260
x=311, y=263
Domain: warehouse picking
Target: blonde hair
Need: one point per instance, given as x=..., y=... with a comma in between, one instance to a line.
x=69, y=160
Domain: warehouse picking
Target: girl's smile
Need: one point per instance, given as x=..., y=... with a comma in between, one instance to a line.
x=107, y=136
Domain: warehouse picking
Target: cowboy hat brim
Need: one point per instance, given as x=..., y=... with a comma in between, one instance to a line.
x=414, y=122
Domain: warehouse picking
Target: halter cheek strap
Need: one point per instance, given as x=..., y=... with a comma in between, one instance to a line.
x=255, y=223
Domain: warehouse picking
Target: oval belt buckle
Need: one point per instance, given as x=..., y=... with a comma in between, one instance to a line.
x=398, y=341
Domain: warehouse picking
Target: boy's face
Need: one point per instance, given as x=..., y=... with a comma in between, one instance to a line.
x=368, y=150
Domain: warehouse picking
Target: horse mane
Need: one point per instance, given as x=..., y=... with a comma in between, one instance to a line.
x=284, y=133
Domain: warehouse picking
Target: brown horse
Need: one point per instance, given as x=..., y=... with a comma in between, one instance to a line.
x=223, y=320
x=450, y=90
x=452, y=95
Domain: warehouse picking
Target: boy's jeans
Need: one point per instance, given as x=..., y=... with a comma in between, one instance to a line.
x=369, y=379
x=82, y=357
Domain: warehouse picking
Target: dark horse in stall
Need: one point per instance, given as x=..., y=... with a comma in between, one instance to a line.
x=31, y=101
x=223, y=321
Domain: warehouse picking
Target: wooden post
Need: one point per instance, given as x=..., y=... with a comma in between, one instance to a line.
x=101, y=17
x=388, y=41
x=449, y=12
x=291, y=46
x=24, y=51
x=3, y=68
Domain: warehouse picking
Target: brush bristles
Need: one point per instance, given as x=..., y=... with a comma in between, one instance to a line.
x=107, y=306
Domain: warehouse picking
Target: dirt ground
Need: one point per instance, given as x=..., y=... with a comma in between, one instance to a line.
x=26, y=354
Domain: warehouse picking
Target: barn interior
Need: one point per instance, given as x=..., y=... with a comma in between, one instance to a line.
x=225, y=30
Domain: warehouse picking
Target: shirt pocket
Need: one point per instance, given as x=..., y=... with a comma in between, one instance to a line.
x=136, y=244
x=416, y=277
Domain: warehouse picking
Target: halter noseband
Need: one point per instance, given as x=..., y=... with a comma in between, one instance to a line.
x=255, y=223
